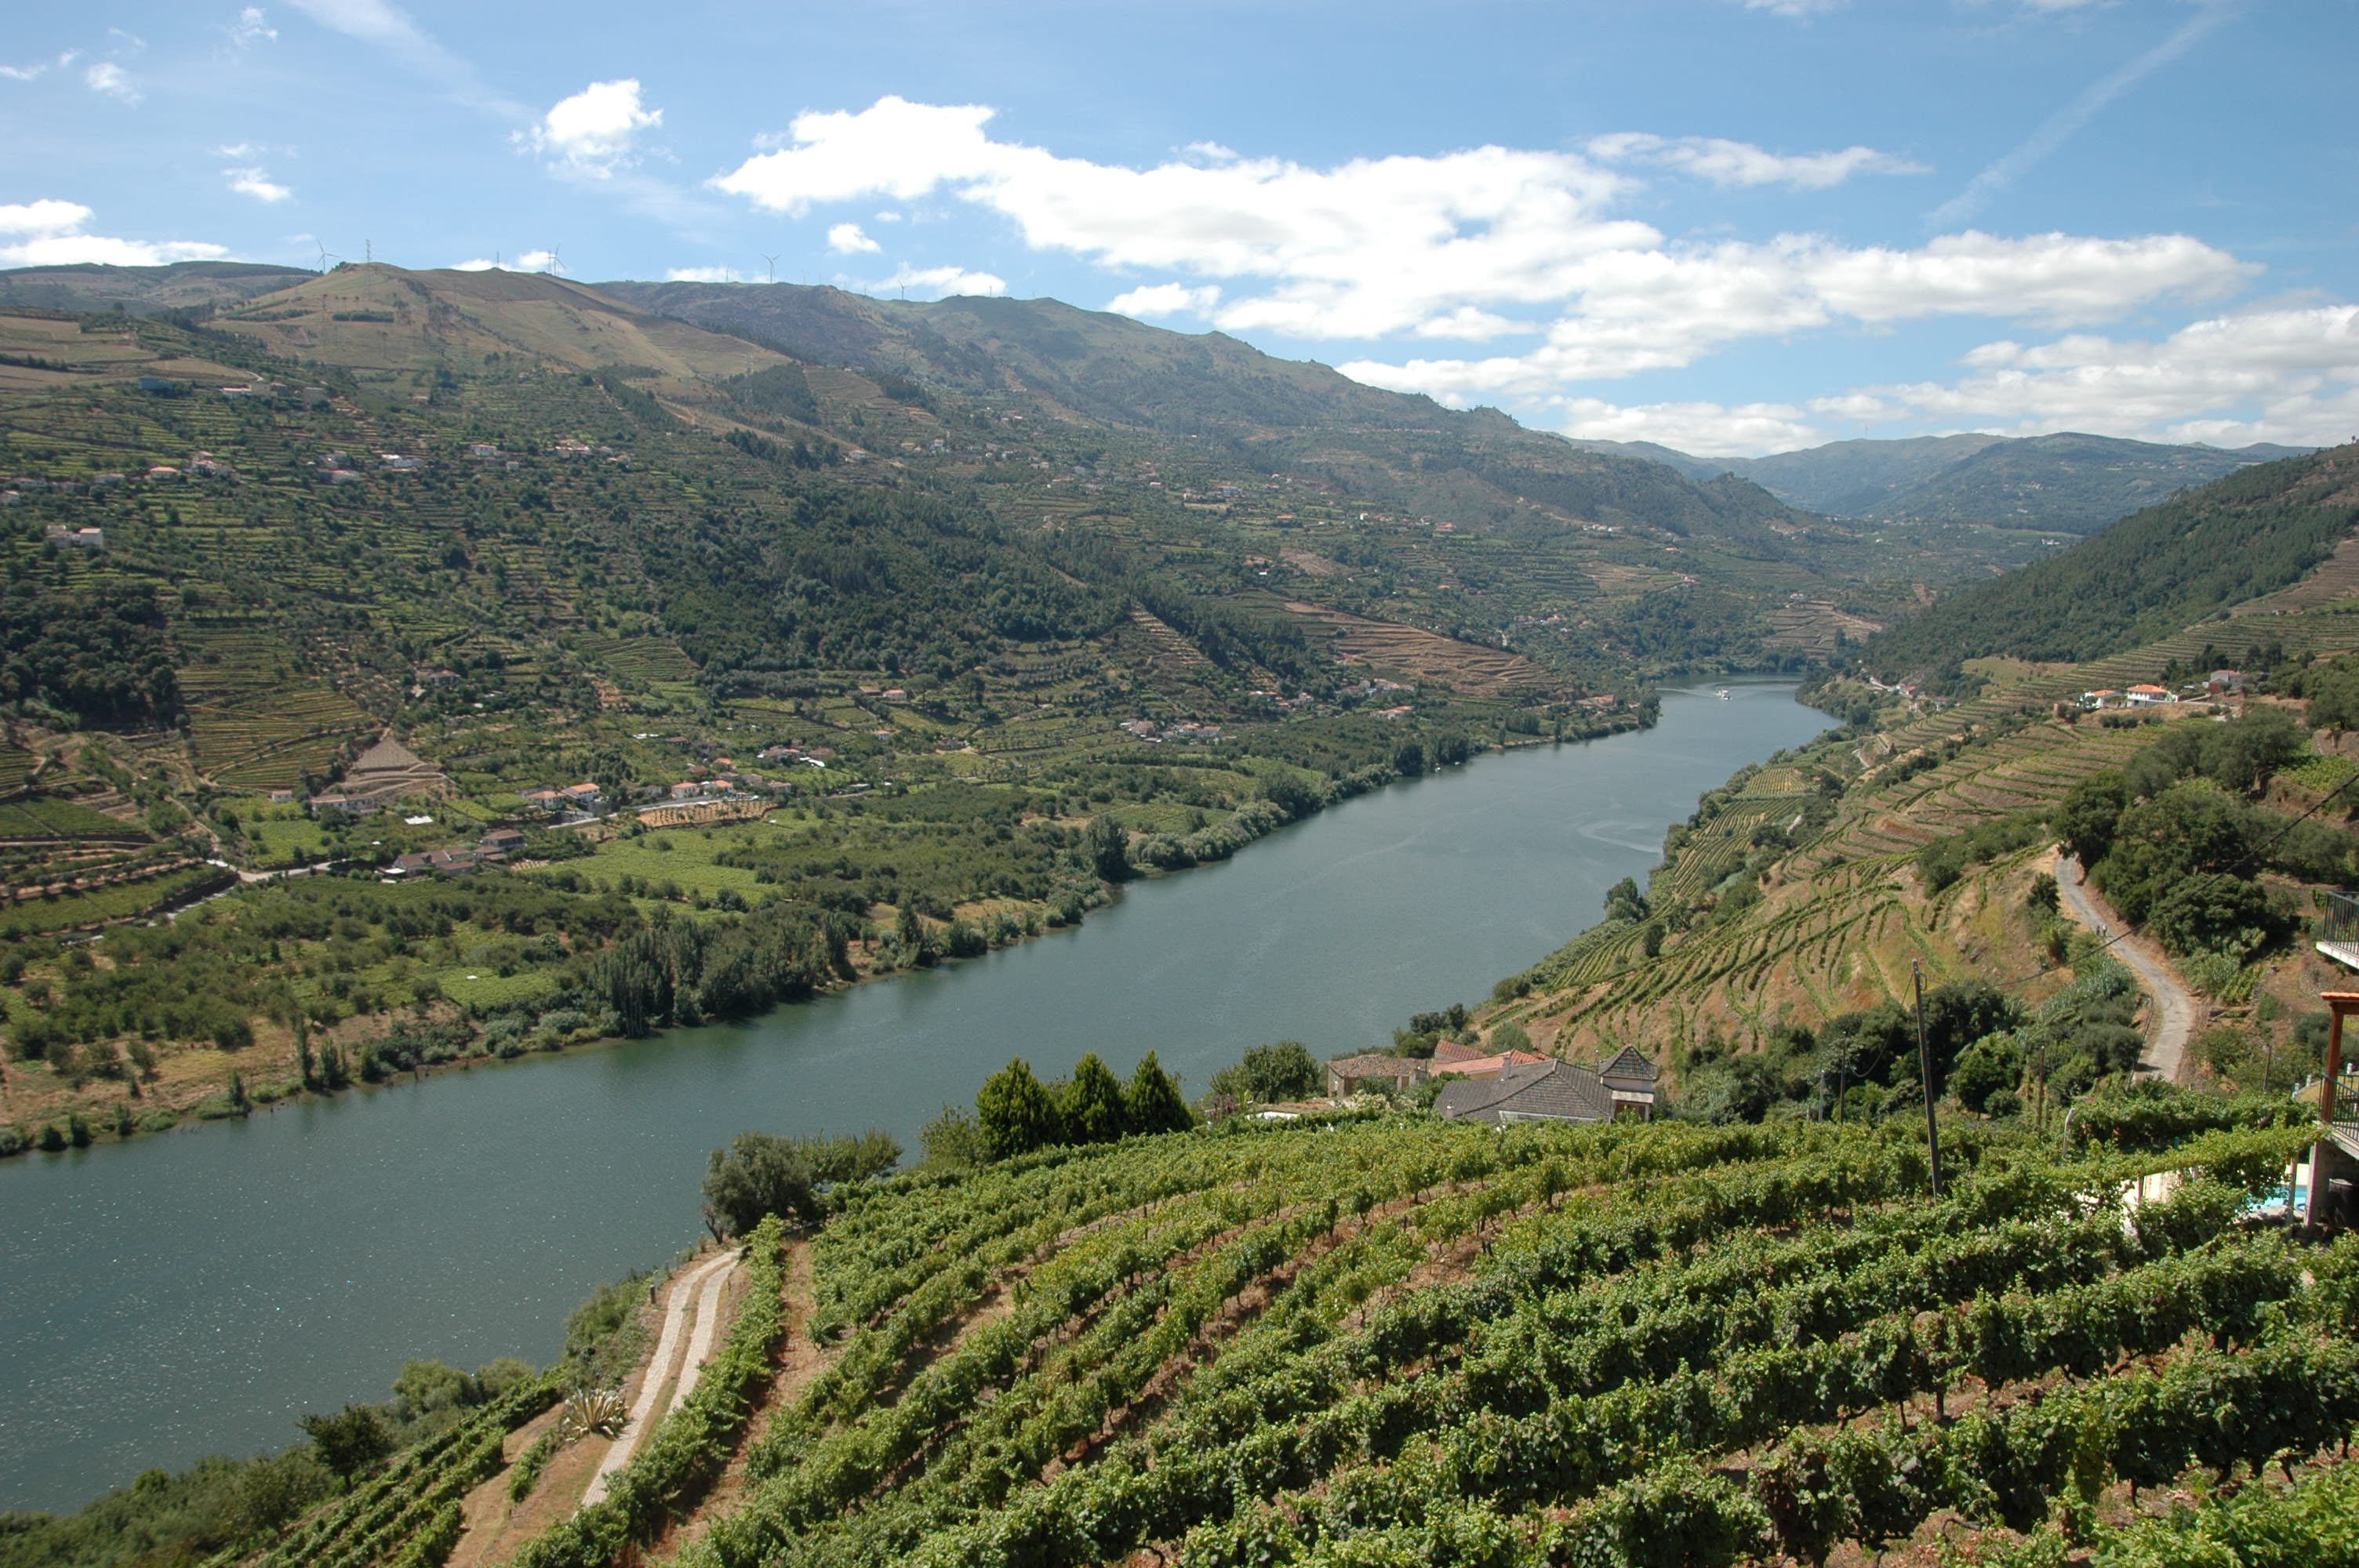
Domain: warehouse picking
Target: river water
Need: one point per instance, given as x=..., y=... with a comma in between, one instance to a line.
x=193, y=1293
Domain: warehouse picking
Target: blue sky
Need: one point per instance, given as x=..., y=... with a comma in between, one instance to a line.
x=1729, y=225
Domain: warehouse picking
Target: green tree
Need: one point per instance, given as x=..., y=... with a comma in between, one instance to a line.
x=1624, y=902
x=2091, y=810
x=761, y=1175
x=1152, y=1103
x=349, y=1440
x=1091, y=1104
x=2212, y=912
x=2185, y=830
x=1985, y=1067
x=1108, y=849
x=1283, y=1071
x=1015, y=1112
x=953, y=1141
x=2242, y=754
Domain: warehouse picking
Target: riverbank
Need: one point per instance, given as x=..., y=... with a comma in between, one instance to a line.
x=281, y=1062
x=223, y=1285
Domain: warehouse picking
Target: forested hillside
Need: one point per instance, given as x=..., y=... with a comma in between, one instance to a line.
x=2145, y=578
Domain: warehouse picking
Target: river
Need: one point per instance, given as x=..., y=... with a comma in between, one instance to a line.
x=193, y=1293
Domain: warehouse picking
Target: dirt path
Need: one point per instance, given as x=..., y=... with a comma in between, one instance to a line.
x=799, y=1362
x=662, y=1365
x=2174, y=1008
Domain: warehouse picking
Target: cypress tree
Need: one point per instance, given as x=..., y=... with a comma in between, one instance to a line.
x=1152, y=1102
x=1094, y=1109
x=1016, y=1114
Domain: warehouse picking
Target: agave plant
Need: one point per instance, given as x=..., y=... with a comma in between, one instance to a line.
x=592, y=1409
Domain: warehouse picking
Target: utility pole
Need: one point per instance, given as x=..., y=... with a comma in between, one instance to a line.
x=1925, y=1071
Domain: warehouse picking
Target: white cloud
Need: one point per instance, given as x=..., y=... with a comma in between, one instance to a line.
x=251, y=28
x=530, y=261
x=256, y=183
x=108, y=78
x=1166, y=299
x=700, y=274
x=1794, y=10
x=848, y=240
x=1460, y=243
x=1706, y=430
x=1725, y=163
x=592, y=133
x=39, y=68
x=45, y=217
x=2289, y=375
x=54, y=237
x=941, y=281
x=1665, y=308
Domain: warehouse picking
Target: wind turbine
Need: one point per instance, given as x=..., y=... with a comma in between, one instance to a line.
x=324, y=253
x=771, y=268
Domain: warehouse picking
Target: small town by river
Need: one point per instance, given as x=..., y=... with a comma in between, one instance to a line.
x=195, y=1292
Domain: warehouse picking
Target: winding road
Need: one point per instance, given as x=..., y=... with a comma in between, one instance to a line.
x=2174, y=1008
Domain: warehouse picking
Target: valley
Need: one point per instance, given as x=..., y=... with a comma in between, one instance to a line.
x=447, y=714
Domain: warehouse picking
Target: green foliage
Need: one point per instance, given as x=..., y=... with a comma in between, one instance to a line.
x=350, y=1440
x=1943, y=862
x=953, y=1141
x=1283, y=1071
x=100, y=654
x=1015, y=1113
x=2152, y=1114
x=1091, y=1107
x=1238, y=1348
x=1152, y=1102
x=759, y=1176
x=2210, y=912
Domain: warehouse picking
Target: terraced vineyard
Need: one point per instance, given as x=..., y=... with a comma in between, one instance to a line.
x=1378, y=1341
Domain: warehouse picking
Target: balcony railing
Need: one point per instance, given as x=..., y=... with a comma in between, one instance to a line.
x=2338, y=927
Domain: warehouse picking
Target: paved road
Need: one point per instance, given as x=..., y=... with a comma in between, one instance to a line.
x=2174, y=1009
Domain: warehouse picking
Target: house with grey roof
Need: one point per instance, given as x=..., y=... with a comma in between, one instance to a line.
x=1630, y=1078
x=1540, y=1091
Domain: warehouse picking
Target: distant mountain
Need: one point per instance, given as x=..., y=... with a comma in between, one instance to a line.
x=143, y=290
x=2065, y=483
x=1843, y=479
x=2194, y=555
x=1853, y=479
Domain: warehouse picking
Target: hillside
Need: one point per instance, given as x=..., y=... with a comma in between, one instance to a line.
x=2146, y=577
x=143, y=290
x=1374, y=1339
x=928, y=676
